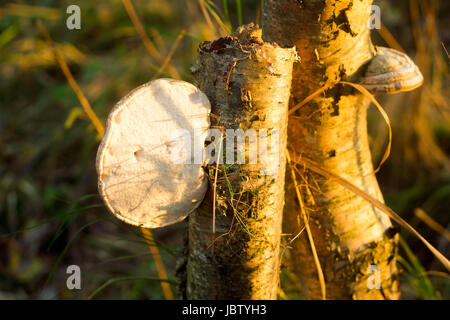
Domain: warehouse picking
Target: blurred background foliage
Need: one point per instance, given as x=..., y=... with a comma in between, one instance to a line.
x=50, y=213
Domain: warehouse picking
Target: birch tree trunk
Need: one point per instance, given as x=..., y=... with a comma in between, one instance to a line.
x=248, y=84
x=333, y=41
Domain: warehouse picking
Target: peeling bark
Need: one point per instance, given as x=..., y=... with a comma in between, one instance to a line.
x=333, y=41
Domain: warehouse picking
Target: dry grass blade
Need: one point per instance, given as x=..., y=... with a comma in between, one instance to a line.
x=308, y=229
x=101, y=130
x=23, y=10
x=223, y=27
x=384, y=115
x=207, y=18
x=140, y=30
x=258, y=13
x=310, y=97
x=215, y=183
x=415, y=23
x=389, y=38
x=169, y=56
x=158, y=264
x=313, y=166
x=73, y=84
x=436, y=274
x=366, y=93
x=148, y=44
x=160, y=45
x=445, y=49
x=422, y=215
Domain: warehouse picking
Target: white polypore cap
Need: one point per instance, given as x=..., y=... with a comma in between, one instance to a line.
x=141, y=177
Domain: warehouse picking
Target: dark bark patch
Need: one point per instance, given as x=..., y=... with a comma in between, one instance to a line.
x=335, y=111
x=341, y=20
x=217, y=46
x=392, y=231
x=332, y=153
x=300, y=3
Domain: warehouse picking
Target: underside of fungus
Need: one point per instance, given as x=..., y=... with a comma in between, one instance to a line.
x=145, y=176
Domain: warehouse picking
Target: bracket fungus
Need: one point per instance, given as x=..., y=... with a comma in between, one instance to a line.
x=391, y=71
x=138, y=178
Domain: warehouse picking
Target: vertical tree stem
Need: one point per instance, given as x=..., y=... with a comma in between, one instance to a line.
x=248, y=84
x=333, y=40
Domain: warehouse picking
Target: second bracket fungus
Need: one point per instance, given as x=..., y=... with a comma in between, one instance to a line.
x=391, y=71
x=146, y=177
